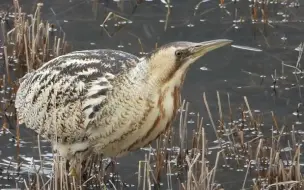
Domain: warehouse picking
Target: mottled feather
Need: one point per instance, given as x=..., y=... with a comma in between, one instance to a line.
x=59, y=99
x=105, y=101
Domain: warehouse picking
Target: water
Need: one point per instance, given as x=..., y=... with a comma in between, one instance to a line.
x=239, y=71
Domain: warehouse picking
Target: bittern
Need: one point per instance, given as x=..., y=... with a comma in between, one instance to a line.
x=107, y=102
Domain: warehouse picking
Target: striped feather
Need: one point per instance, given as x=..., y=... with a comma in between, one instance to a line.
x=102, y=101
x=59, y=99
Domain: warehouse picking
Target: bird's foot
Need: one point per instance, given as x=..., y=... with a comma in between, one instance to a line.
x=111, y=164
x=73, y=172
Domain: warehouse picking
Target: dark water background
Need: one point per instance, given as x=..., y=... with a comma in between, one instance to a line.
x=227, y=68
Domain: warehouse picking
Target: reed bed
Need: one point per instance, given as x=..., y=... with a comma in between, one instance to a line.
x=28, y=41
x=180, y=158
x=265, y=160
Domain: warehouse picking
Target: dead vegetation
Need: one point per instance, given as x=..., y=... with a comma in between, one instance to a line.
x=177, y=156
x=265, y=160
x=28, y=42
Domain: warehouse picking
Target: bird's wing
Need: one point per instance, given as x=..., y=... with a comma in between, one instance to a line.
x=58, y=99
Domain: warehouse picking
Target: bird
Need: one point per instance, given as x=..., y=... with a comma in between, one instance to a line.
x=107, y=102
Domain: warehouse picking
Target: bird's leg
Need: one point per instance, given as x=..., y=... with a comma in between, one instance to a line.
x=87, y=163
x=72, y=167
x=111, y=164
x=110, y=168
x=75, y=172
x=79, y=165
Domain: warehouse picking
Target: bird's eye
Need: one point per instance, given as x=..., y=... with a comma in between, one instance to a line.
x=178, y=53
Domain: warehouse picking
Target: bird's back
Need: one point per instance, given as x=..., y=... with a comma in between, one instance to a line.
x=61, y=97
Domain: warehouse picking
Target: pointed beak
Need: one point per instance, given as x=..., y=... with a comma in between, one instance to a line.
x=202, y=48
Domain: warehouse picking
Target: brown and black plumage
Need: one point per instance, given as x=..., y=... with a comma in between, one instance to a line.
x=106, y=101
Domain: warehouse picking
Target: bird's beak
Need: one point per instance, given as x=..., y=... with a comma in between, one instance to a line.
x=202, y=48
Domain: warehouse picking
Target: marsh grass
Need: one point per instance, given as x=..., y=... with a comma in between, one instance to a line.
x=28, y=42
x=263, y=160
x=179, y=159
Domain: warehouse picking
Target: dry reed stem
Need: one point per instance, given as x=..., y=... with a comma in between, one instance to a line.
x=210, y=117
x=167, y=15
x=32, y=36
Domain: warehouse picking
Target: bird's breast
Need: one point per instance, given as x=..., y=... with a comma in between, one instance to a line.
x=159, y=118
x=147, y=121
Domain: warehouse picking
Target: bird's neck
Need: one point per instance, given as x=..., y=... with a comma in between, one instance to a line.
x=155, y=78
x=136, y=100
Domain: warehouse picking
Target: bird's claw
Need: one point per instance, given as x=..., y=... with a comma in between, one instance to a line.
x=73, y=172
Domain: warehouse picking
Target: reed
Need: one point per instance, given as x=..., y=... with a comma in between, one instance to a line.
x=179, y=155
x=262, y=156
x=27, y=45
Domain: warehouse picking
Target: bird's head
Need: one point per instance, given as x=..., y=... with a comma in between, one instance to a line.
x=171, y=61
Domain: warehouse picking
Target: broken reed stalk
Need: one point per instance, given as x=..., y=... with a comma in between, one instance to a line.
x=27, y=55
x=3, y=31
x=219, y=106
x=6, y=64
x=213, y=125
x=168, y=2
x=33, y=42
x=182, y=126
x=277, y=174
x=30, y=39
x=210, y=117
x=202, y=178
x=27, y=48
x=198, y=175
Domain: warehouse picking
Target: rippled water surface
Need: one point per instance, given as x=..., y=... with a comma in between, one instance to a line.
x=252, y=66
